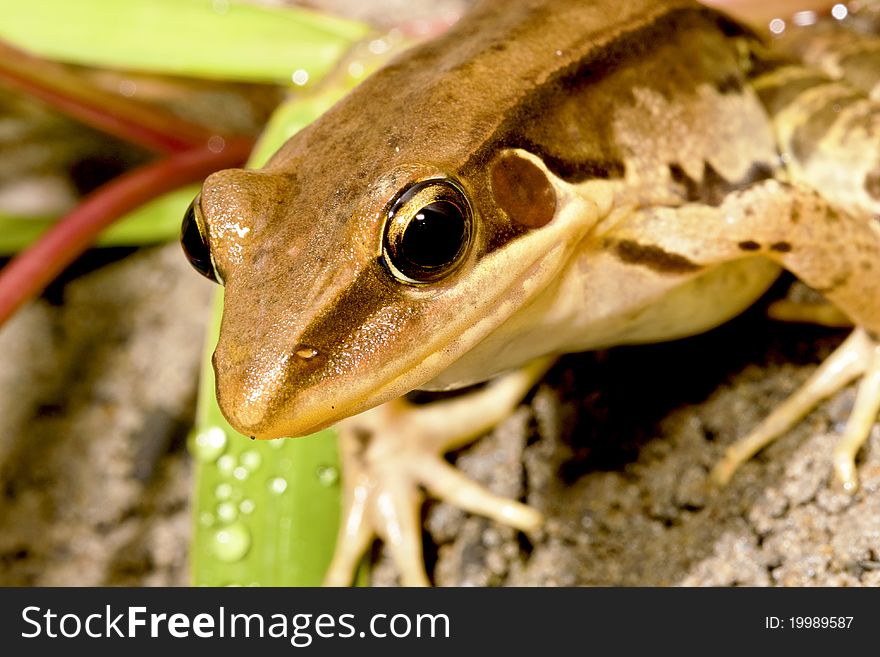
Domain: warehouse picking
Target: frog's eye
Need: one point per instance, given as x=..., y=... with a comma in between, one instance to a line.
x=194, y=240
x=427, y=231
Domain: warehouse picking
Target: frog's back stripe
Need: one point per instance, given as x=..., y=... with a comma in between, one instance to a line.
x=470, y=86
x=545, y=111
x=474, y=89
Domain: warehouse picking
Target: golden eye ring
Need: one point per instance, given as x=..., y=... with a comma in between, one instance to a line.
x=428, y=230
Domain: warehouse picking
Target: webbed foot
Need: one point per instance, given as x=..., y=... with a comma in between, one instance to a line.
x=390, y=453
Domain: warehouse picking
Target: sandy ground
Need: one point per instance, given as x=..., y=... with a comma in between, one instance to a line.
x=96, y=397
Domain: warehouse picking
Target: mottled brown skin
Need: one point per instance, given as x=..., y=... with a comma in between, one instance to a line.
x=606, y=109
x=331, y=184
x=825, y=113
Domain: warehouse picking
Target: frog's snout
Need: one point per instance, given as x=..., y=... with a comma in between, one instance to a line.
x=271, y=397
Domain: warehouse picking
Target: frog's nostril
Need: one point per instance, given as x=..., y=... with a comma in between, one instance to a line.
x=305, y=363
x=306, y=352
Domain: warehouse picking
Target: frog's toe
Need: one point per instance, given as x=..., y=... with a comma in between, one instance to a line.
x=861, y=421
x=392, y=452
x=355, y=534
x=379, y=499
x=821, y=313
x=398, y=524
x=448, y=484
x=858, y=356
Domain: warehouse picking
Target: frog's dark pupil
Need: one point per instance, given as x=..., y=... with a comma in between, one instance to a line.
x=194, y=245
x=434, y=236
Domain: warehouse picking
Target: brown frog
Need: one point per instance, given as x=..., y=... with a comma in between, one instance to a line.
x=544, y=178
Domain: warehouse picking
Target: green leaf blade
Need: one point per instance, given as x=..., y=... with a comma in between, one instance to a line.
x=214, y=39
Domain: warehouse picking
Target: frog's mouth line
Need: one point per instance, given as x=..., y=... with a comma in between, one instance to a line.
x=419, y=368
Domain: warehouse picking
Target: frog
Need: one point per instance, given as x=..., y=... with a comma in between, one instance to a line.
x=543, y=178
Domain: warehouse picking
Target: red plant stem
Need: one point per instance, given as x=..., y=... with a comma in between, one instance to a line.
x=126, y=118
x=34, y=268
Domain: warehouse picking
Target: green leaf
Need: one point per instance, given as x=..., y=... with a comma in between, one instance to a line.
x=152, y=223
x=220, y=39
x=266, y=513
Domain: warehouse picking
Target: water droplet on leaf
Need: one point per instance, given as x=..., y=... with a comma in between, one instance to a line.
x=231, y=543
x=278, y=485
x=223, y=491
x=328, y=475
x=209, y=444
x=251, y=459
x=227, y=512
x=226, y=464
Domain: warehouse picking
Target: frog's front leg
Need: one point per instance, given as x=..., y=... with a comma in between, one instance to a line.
x=835, y=253
x=391, y=452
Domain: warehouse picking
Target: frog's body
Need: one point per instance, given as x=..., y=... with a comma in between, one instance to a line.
x=611, y=170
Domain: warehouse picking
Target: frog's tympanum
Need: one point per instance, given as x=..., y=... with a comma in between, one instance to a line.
x=546, y=177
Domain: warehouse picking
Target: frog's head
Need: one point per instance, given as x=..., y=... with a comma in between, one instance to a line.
x=375, y=249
